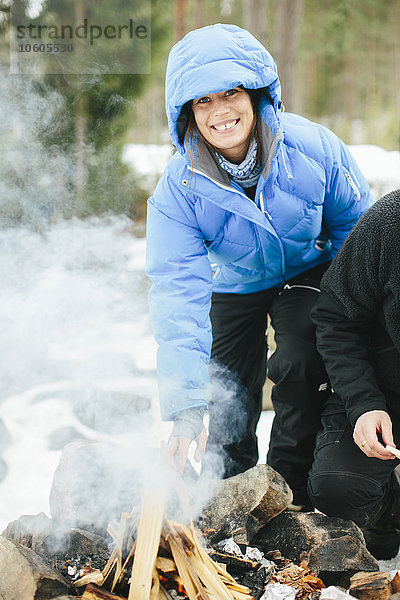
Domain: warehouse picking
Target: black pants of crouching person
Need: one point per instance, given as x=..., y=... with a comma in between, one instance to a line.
x=238, y=371
x=344, y=482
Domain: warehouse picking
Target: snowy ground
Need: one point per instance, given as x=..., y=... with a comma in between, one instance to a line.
x=380, y=167
x=77, y=348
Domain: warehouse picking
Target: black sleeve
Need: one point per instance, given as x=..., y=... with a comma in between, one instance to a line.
x=351, y=296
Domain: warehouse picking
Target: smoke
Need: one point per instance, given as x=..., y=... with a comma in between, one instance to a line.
x=78, y=354
x=77, y=348
x=36, y=182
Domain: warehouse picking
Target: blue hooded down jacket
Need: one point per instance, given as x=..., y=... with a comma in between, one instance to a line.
x=204, y=234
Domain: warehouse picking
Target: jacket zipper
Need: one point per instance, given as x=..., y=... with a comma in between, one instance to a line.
x=266, y=213
x=287, y=286
x=262, y=209
x=221, y=185
x=352, y=184
x=288, y=173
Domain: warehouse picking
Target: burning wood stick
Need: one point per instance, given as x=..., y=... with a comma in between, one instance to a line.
x=186, y=572
x=155, y=586
x=147, y=543
x=188, y=566
x=119, y=570
x=205, y=574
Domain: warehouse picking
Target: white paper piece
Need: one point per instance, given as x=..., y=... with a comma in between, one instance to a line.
x=279, y=591
x=230, y=547
x=254, y=554
x=334, y=593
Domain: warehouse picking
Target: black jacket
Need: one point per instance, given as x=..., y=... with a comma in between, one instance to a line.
x=358, y=312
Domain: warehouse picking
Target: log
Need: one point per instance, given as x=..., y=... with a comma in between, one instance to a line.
x=371, y=586
x=93, y=592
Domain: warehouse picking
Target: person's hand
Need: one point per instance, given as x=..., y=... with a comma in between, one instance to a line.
x=366, y=432
x=178, y=449
x=188, y=426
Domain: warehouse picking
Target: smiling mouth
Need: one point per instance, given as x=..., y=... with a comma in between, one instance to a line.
x=225, y=126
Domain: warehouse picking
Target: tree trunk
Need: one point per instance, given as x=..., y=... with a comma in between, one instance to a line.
x=199, y=14
x=180, y=19
x=286, y=43
x=255, y=18
x=80, y=131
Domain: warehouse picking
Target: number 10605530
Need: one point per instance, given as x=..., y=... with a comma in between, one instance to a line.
x=51, y=48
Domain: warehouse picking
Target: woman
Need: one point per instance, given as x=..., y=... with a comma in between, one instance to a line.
x=246, y=218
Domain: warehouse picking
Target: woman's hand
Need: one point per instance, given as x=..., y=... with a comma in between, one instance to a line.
x=365, y=434
x=188, y=426
x=178, y=449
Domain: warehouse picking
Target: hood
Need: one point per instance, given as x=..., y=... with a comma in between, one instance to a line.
x=213, y=59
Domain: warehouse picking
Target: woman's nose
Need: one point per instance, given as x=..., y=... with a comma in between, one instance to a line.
x=221, y=106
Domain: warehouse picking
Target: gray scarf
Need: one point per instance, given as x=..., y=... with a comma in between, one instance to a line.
x=247, y=173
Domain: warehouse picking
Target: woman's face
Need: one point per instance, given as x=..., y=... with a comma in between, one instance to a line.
x=225, y=120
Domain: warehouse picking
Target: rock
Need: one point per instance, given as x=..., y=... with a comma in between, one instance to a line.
x=295, y=533
x=371, y=586
x=30, y=531
x=25, y=576
x=62, y=436
x=45, y=536
x=112, y=411
x=244, y=503
x=395, y=596
x=336, y=561
x=95, y=482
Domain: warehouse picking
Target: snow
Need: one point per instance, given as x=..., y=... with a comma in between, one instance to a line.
x=380, y=167
x=77, y=342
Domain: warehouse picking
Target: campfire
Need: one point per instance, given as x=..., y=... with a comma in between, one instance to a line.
x=158, y=559
x=233, y=552
x=162, y=556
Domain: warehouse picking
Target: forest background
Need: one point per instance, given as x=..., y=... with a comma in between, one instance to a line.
x=63, y=135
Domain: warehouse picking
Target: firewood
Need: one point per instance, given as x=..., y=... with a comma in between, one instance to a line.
x=93, y=592
x=147, y=543
x=166, y=565
x=209, y=578
x=119, y=567
x=396, y=582
x=371, y=586
x=186, y=572
x=223, y=574
x=93, y=577
x=155, y=586
x=164, y=594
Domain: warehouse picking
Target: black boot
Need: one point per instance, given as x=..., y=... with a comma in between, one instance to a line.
x=382, y=541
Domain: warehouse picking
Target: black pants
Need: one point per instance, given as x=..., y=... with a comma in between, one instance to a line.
x=344, y=482
x=238, y=371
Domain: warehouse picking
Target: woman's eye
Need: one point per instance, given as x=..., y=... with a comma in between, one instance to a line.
x=231, y=92
x=202, y=100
